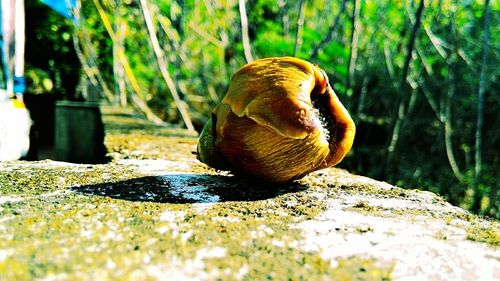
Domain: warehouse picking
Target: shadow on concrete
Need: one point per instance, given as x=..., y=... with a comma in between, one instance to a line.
x=189, y=188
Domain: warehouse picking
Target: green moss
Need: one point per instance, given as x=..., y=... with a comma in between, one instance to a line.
x=32, y=182
x=102, y=227
x=363, y=228
x=487, y=234
x=357, y=268
x=441, y=235
x=363, y=205
x=376, y=188
x=143, y=146
x=77, y=233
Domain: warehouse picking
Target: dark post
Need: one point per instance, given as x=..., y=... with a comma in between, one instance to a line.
x=79, y=133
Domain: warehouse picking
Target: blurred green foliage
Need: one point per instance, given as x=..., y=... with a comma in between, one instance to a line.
x=201, y=40
x=49, y=52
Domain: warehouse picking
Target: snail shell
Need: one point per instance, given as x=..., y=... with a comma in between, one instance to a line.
x=279, y=121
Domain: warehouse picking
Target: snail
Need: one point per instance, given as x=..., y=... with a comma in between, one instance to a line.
x=279, y=120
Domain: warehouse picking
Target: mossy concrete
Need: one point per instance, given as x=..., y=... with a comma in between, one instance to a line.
x=155, y=213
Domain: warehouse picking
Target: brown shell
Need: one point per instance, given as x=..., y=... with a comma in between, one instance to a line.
x=286, y=84
x=266, y=126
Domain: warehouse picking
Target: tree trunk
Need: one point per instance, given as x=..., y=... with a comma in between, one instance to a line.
x=402, y=107
x=300, y=26
x=448, y=131
x=136, y=97
x=244, y=31
x=163, y=66
x=89, y=63
x=480, y=108
x=356, y=26
x=117, y=66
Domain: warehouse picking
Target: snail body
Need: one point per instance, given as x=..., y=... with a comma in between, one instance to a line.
x=279, y=121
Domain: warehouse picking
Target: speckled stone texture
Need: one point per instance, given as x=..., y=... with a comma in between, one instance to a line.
x=155, y=213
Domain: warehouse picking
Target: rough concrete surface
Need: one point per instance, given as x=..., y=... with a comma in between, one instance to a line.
x=153, y=212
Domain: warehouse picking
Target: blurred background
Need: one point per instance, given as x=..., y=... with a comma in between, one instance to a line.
x=419, y=77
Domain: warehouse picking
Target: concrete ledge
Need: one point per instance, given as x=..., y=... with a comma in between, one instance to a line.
x=155, y=213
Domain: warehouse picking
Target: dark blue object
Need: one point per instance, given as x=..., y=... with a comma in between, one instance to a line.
x=19, y=84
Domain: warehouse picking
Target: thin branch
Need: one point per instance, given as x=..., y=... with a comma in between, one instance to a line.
x=163, y=67
x=85, y=65
x=402, y=108
x=411, y=44
x=465, y=57
x=118, y=72
x=172, y=35
x=209, y=7
x=89, y=65
x=138, y=101
x=437, y=42
x=356, y=27
x=206, y=36
x=432, y=102
x=300, y=26
x=329, y=33
x=413, y=95
x=366, y=78
x=362, y=96
x=388, y=63
x=244, y=31
x=92, y=72
x=422, y=57
x=481, y=94
x=221, y=43
x=285, y=18
x=448, y=131
x=104, y=87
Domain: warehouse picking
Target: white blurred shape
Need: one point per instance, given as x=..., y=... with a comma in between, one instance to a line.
x=15, y=124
